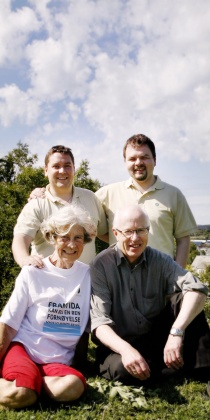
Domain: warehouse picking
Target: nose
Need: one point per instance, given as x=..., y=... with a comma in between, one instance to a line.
x=134, y=235
x=71, y=243
x=139, y=160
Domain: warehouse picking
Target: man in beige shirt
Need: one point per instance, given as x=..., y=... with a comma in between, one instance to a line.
x=171, y=220
x=60, y=170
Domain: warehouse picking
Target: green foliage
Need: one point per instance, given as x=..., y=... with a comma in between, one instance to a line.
x=205, y=277
x=193, y=252
x=82, y=178
x=17, y=178
x=15, y=161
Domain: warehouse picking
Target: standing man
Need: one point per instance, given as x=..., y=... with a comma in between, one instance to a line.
x=60, y=170
x=133, y=286
x=171, y=220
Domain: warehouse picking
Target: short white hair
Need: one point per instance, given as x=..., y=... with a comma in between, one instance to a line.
x=64, y=219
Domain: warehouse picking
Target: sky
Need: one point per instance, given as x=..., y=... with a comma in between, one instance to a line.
x=89, y=74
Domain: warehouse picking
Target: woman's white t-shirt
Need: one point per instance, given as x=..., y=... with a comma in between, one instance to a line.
x=49, y=308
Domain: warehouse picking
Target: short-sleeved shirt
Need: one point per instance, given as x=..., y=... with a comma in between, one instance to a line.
x=169, y=213
x=49, y=309
x=39, y=209
x=128, y=298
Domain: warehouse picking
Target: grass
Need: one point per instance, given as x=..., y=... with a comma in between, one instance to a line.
x=171, y=400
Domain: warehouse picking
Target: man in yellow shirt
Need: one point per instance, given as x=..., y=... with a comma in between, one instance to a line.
x=171, y=220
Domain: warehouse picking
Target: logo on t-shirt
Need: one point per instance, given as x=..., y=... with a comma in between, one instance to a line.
x=63, y=318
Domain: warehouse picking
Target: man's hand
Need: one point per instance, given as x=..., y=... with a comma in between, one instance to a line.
x=173, y=352
x=35, y=260
x=132, y=360
x=37, y=193
x=135, y=364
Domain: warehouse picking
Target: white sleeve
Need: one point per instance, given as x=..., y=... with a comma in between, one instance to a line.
x=16, y=307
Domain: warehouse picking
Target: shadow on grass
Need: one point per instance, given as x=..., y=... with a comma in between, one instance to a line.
x=166, y=390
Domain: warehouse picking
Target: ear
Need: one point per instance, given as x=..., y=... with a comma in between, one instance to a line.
x=115, y=232
x=45, y=171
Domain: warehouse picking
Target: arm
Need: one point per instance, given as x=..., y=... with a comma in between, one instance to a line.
x=132, y=360
x=193, y=303
x=182, y=250
x=20, y=249
x=6, y=335
x=104, y=237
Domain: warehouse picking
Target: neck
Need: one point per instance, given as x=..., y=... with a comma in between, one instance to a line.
x=57, y=262
x=63, y=194
x=144, y=185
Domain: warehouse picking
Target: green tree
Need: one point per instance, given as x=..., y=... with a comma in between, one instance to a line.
x=17, y=178
x=82, y=178
x=15, y=161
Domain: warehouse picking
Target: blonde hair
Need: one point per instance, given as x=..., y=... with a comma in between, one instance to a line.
x=63, y=221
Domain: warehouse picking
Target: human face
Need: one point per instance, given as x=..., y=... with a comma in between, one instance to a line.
x=132, y=245
x=69, y=247
x=60, y=171
x=140, y=163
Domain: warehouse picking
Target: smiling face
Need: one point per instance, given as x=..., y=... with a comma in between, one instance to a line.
x=60, y=171
x=140, y=163
x=68, y=247
x=132, y=244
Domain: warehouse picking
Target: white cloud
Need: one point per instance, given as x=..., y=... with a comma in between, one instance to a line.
x=15, y=29
x=92, y=73
x=15, y=103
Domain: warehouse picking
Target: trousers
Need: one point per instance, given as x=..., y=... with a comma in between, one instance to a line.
x=196, y=349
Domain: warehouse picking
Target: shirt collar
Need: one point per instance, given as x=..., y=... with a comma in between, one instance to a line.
x=51, y=197
x=158, y=185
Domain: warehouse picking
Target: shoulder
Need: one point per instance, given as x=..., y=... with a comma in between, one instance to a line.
x=106, y=189
x=83, y=192
x=169, y=187
x=154, y=255
x=104, y=257
x=82, y=267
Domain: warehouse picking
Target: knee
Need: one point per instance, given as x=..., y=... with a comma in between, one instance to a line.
x=76, y=388
x=20, y=397
x=113, y=369
x=64, y=389
x=26, y=396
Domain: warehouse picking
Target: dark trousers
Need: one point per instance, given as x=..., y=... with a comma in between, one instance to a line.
x=196, y=349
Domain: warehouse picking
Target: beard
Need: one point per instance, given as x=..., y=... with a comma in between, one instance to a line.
x=140, y=176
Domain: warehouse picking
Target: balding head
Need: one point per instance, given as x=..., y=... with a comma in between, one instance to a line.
x=133, y=213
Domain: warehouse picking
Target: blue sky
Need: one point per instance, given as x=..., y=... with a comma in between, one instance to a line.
x=91, y=73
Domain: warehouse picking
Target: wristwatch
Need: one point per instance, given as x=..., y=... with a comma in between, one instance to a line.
x=177, y=331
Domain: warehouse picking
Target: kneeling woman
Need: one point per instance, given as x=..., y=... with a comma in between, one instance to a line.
x=46, y=315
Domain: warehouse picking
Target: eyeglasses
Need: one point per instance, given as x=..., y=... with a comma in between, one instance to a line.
x=141, y=232
x=64, y=239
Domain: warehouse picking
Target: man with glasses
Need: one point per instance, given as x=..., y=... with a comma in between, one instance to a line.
x=60, y=170
x=146, y=310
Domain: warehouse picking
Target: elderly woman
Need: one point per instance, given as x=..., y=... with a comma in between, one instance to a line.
x=46, y=315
